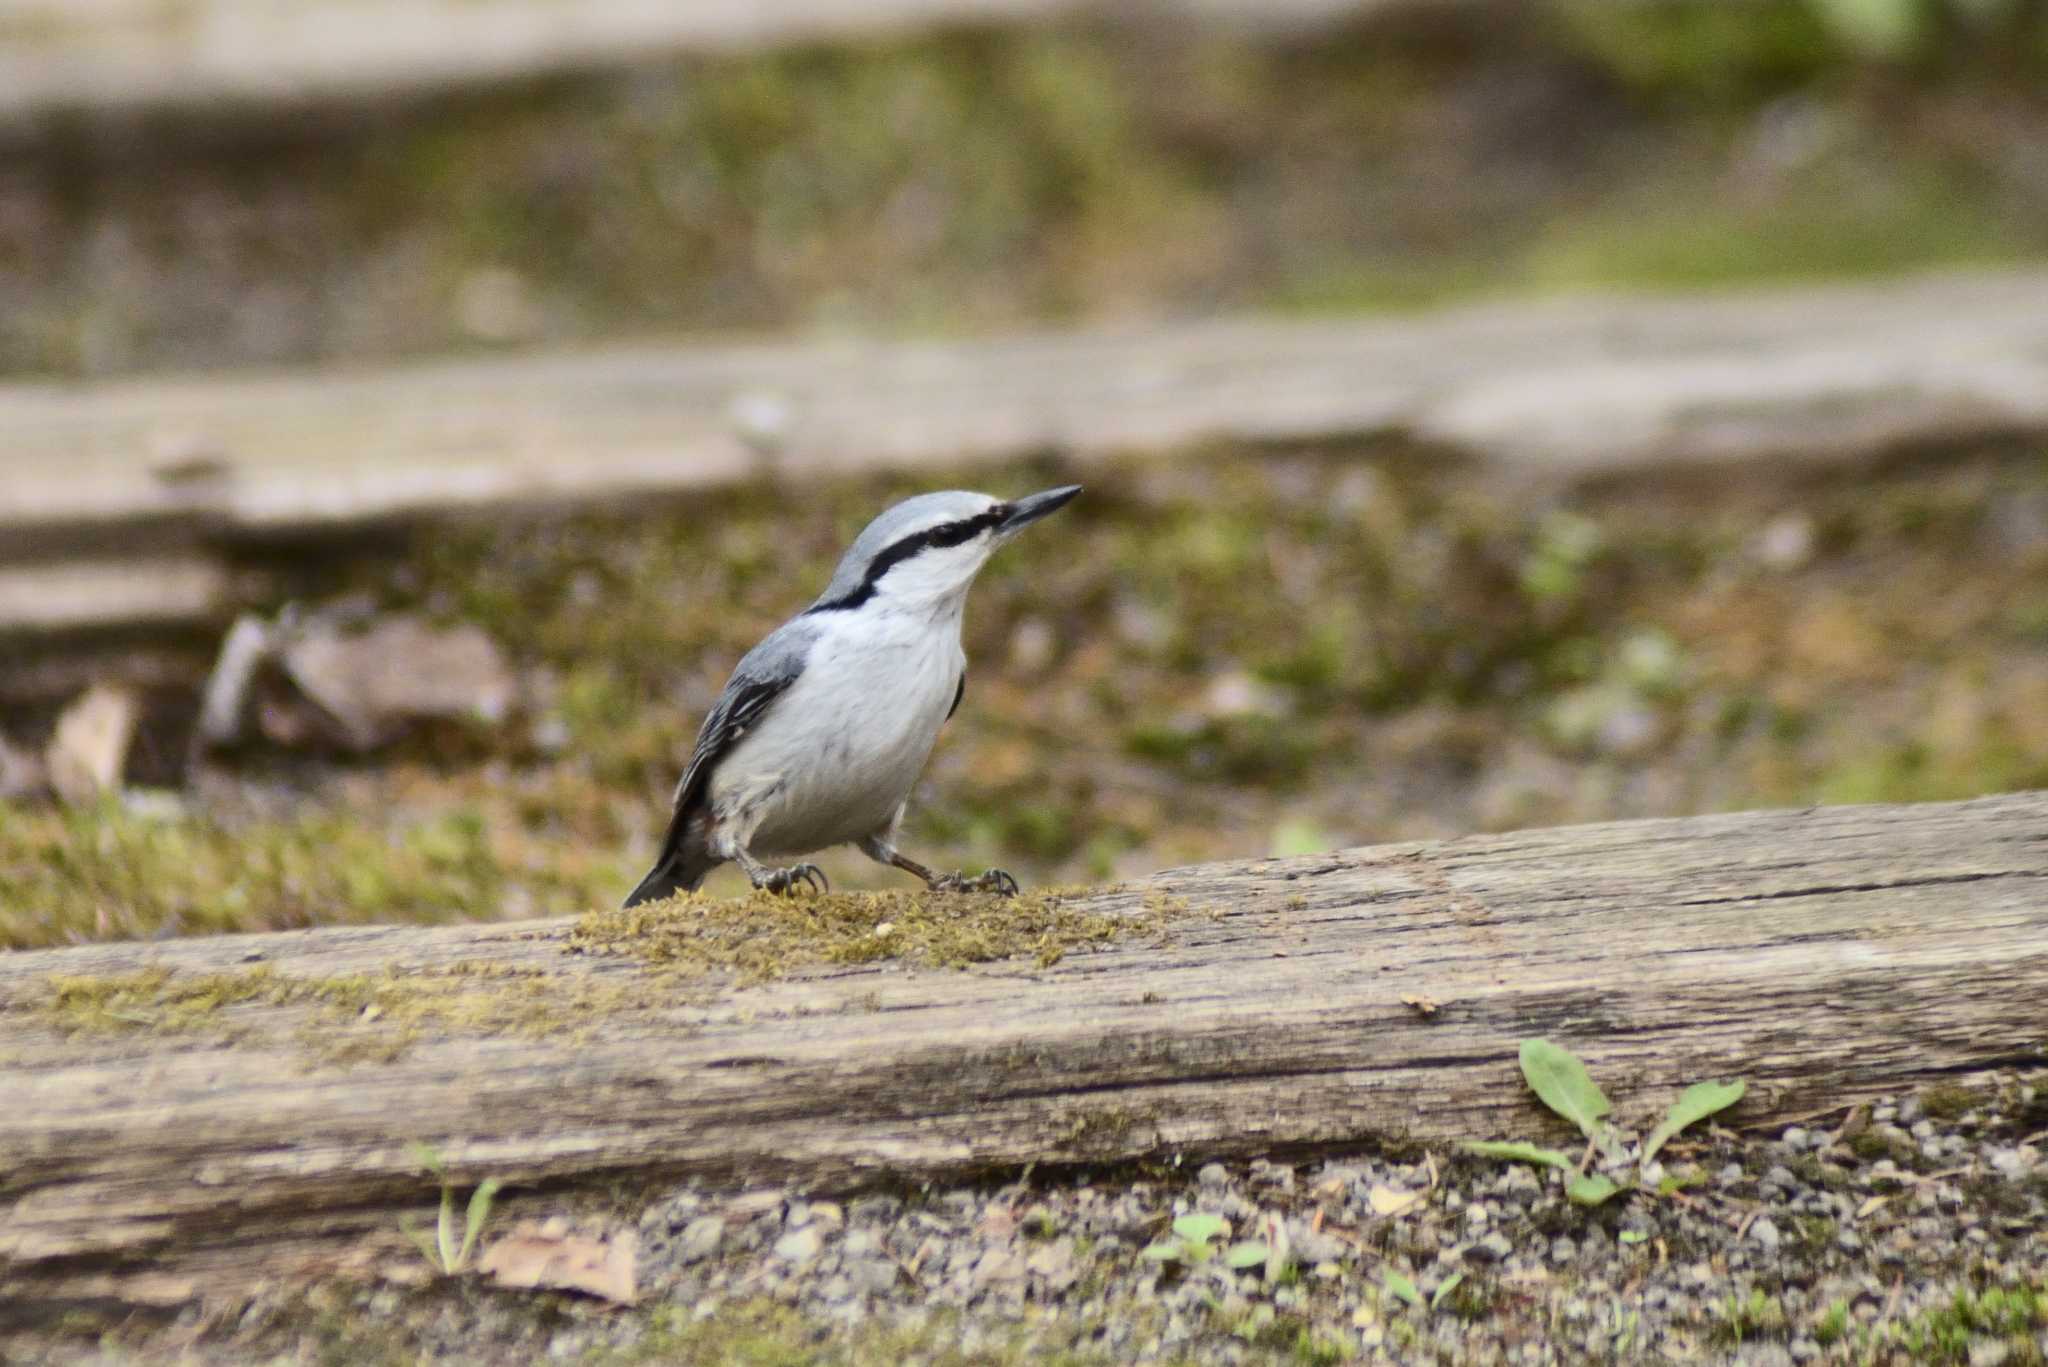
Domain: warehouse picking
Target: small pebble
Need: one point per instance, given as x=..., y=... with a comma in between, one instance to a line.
x=701, y=1238
x=799, y=1245
x=1492, y=1249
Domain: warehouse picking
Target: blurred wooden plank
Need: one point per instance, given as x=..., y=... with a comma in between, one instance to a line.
x=90, y=595
x=1556, y=388
x=126, y=54
x=1824, y=955
x=1565, y=385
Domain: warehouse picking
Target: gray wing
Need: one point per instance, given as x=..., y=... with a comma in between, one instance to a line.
x=762, y=675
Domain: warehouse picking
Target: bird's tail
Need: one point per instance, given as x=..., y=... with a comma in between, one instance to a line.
x=675, y=873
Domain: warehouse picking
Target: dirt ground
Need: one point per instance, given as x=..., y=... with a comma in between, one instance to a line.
x=1898, y=1234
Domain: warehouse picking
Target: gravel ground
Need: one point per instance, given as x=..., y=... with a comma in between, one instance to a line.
x=1910, y=1230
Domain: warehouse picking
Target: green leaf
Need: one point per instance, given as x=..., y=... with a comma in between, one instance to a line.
x=427, y=1156
x=446, y=1229
x=479, y=1211
x=1672, y=1182
x=1632, y=1236
x=1444, y=1288
x=1699, y=1101
x=1200, y=1229
x=1562, y=1082
x=1591, y=1190
x=1251, y=1253
x=1518, y=1153
x=1165, y=1251
x=1400, y=1286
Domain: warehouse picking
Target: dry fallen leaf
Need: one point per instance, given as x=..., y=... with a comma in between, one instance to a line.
x=534, y=1255
x=1392, y=1200
x=90, y=748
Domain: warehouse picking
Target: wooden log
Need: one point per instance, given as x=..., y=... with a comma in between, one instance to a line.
x=1824, y=955
x=116, y=55
x=1556, y=389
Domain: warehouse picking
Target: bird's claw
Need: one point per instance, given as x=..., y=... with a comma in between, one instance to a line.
x=789, y=879
x=995, y=881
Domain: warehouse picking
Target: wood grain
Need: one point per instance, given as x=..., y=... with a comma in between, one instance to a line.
x=1824, y=955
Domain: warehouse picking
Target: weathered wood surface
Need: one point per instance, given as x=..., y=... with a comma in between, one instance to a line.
x=124, y=54
x=1824, y=955
x=1556, y=388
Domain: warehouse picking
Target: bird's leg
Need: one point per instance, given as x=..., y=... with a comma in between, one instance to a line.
x=775, y=880
x=879, y=849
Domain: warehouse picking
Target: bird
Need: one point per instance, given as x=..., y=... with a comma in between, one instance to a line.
x=823, y=728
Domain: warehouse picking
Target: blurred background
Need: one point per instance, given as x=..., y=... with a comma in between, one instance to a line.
x=1249, y=640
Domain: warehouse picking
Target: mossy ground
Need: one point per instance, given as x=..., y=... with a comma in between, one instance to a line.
x=1217, y=653
x=973, y=179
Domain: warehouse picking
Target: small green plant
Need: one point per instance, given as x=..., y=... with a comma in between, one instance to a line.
x=1315, y=1349
x=1400, y=1286
x=1741, y=1319
x=1193, y=1242
x=1946, y=1333
x=443, y=1253
x=1621, y=1328
x=1833, y=1325
x=1562, y=1083
x=1256, y=1322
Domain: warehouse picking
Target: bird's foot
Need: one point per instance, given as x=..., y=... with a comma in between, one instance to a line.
x=995, y=881
x=796, y=875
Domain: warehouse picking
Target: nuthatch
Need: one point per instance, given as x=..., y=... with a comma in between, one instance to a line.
x=825, y=725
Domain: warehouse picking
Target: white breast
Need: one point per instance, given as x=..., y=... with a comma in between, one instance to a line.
x=840, y=751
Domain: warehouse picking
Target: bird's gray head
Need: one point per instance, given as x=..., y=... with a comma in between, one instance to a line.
x=926, y=550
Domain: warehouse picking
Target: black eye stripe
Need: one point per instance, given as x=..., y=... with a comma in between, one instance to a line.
x=946, y=534
x=961, y=532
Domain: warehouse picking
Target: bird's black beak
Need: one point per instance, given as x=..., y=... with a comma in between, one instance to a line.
x=1031, y=507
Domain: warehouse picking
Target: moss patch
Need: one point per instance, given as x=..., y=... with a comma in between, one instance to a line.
x=764, y=935
x=157, y=1000
x=1947, y=1102
x=377, y=1015
x=354, y=1018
